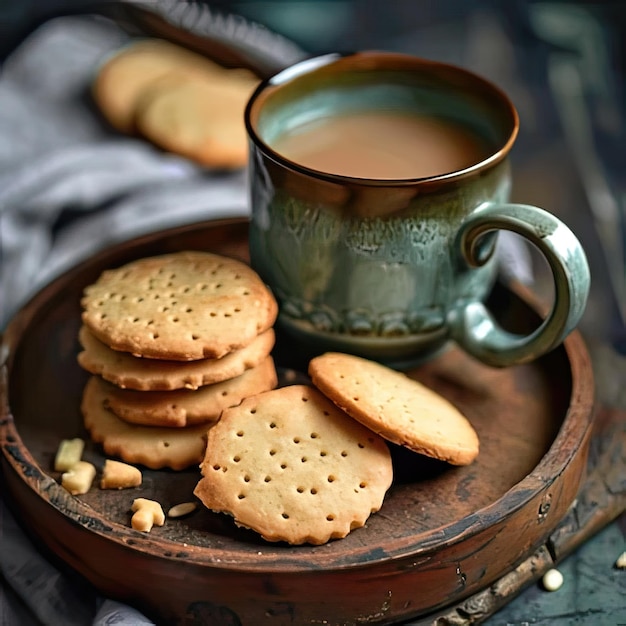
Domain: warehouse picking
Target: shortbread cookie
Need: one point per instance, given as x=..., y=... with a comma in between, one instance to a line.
x=293, y=467
x=124, y=76
x=131, y=372
x=185, y=407
x=180, y=306
x=399, y=408
x=202, y=121
x=156, y=448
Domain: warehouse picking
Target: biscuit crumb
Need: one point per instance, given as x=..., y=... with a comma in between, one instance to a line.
x=78, y=478
x=552, y=580
x=147, y=513
x=118, y=475
x=69, y=452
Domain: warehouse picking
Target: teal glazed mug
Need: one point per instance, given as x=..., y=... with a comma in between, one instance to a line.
x=379, y=182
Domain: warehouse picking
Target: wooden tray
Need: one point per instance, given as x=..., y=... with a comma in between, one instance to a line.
x=442, y=535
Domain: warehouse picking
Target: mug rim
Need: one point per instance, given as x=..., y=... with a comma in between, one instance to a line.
x=311, y=64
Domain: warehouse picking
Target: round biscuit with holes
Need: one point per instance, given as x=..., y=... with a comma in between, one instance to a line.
x=291, y=466
x=154, y=447
x=181, y=306
x=397, y=407
x=130, y=372
x=185, y=407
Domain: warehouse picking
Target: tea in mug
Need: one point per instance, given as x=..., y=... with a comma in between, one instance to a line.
x=383, y=145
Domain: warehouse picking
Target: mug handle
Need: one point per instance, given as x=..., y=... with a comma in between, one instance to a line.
x=472, y=325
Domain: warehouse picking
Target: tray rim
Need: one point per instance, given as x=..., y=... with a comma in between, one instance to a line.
x=43, y=486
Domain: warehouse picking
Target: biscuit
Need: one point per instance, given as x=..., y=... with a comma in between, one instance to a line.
x=118, y=475
x=155, y=448
x=185, y=407
x=202, y=121
x=78, y=478
x=131, y=372
x=146, y=514
x=124, y=76
x=291, y=466
x=180, y=306
x=69, y=452
x=400, y=409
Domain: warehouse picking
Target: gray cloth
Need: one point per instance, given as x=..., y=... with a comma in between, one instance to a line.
x=68, y=187
x=58, y=157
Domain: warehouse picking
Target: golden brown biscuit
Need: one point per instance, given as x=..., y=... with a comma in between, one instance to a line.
x=293, y=467
x=401, y=409
x=131, y=372
x=156, y=448
x=186, y=407
x=203, y=121
x=180, y=306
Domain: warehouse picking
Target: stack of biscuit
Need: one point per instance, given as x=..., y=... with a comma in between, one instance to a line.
x=170, y=342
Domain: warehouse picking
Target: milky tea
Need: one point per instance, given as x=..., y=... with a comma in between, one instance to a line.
x=383, y=145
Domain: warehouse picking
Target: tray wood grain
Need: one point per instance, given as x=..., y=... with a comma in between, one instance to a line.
x=443, y=537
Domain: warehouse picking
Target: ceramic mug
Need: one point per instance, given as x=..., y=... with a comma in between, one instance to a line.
x=393, y=268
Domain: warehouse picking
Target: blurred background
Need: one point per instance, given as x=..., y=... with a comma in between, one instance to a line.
x=323, y=25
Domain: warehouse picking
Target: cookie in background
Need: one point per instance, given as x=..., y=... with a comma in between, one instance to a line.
x=177, y=99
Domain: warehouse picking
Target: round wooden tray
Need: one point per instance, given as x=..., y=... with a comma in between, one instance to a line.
x=443, y=533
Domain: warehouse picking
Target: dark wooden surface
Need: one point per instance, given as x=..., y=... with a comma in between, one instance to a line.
x=448, y=532
x=600, y=500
